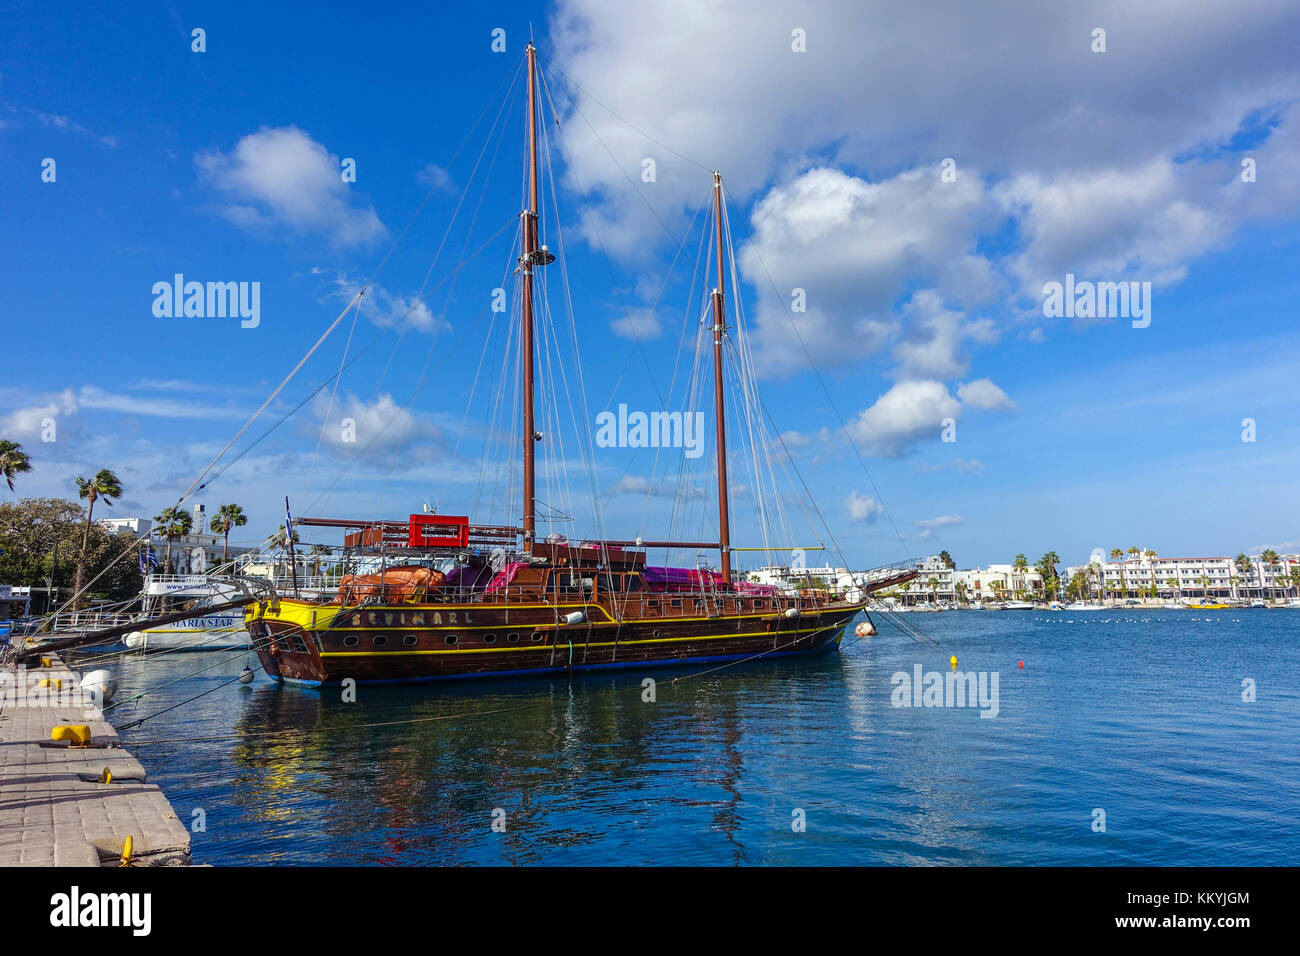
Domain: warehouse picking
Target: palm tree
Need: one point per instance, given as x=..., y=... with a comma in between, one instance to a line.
x=1204, y=582
x=173, y=522
x=319, y=551
x=276, y=538
x=1173, y=586
x=227, y=517
x=1294, y=578
x=13, y=461
x=932, y=585
x=959, y=589
x=1021, y=565
x=1270, y=558
x=104, y=485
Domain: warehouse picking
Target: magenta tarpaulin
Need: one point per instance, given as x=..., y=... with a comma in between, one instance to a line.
x=507, y=574
x=679, y=579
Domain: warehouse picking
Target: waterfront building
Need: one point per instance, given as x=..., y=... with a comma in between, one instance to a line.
x=1204, y=577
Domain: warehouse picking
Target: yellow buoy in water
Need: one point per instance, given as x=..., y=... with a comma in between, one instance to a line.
x=953, y=660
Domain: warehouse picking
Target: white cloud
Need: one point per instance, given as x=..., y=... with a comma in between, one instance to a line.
x=352, y=425
x=904, y=415
x=984, y=395
x=1113, y=165
x=390, y=310
x=972, y=467
x=280, y=176
x=863, y=508
x=91, y=397
x=27, y=423
x=640, y=324
x=932, y=347
x=853, y=247
x=436, y=178
x=928, y=526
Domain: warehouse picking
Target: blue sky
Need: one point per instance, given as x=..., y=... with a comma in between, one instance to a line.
x=923, y=296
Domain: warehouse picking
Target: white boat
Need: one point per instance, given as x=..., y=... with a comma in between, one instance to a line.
x=1087, y=607
x=1258, y=603
x=1173, y=606
x=218, y=631
x=1017, y=606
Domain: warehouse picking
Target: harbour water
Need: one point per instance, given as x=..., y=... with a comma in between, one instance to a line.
x=1139, y=715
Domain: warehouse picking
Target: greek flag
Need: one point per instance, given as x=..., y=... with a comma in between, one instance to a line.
x=148, y=559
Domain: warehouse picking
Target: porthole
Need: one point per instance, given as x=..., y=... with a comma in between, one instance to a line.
x=655, y=633
x=380, y=640
x=512, y=638
x=537, y=635
x=351, y=640
x=489, y=638
x=409, y=640
x=450, y=639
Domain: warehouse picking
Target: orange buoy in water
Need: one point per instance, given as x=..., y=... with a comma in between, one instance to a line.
x=1022, y=665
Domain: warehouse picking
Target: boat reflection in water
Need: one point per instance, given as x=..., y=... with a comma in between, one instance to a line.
x=558, y=767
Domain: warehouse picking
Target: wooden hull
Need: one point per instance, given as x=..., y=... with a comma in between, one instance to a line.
x=321, y=644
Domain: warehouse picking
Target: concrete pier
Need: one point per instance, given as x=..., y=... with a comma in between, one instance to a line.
x=54, y=809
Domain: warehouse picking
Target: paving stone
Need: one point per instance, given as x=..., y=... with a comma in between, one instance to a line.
x=53, y=809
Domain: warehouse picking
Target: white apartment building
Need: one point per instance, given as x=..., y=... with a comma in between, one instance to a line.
x=1001, y=582
x=192, y=553
x=1218, y=577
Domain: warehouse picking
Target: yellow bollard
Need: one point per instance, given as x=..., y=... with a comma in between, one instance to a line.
x=55, y=682
x=78, y=734
x=126, y=852
x=106, y=776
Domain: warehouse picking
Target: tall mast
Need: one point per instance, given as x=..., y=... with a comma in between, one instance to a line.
x=526, y=262
x=720, y=422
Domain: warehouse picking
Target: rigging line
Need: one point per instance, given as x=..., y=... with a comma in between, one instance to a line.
x=356, y=358
x=243, y=652
x=434, y=188
x=662, y=289
x=136, y=723
x=600, y=244
x=577, y=86
x=840, y=418
x=361, y=452
x=585, y=438
x=478, y=161
x=616, y=163
x=338, y=377
x=356, y=299
x=478, y=208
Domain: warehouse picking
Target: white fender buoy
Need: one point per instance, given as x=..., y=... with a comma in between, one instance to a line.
x=865, y=629
x=575, y=617
x=246, y=675
x=854, y=596
x=101, y=685
x=792, y=612
x=134, y=640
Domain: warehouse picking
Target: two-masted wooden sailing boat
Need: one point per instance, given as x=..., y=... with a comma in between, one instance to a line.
x=465, y=600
